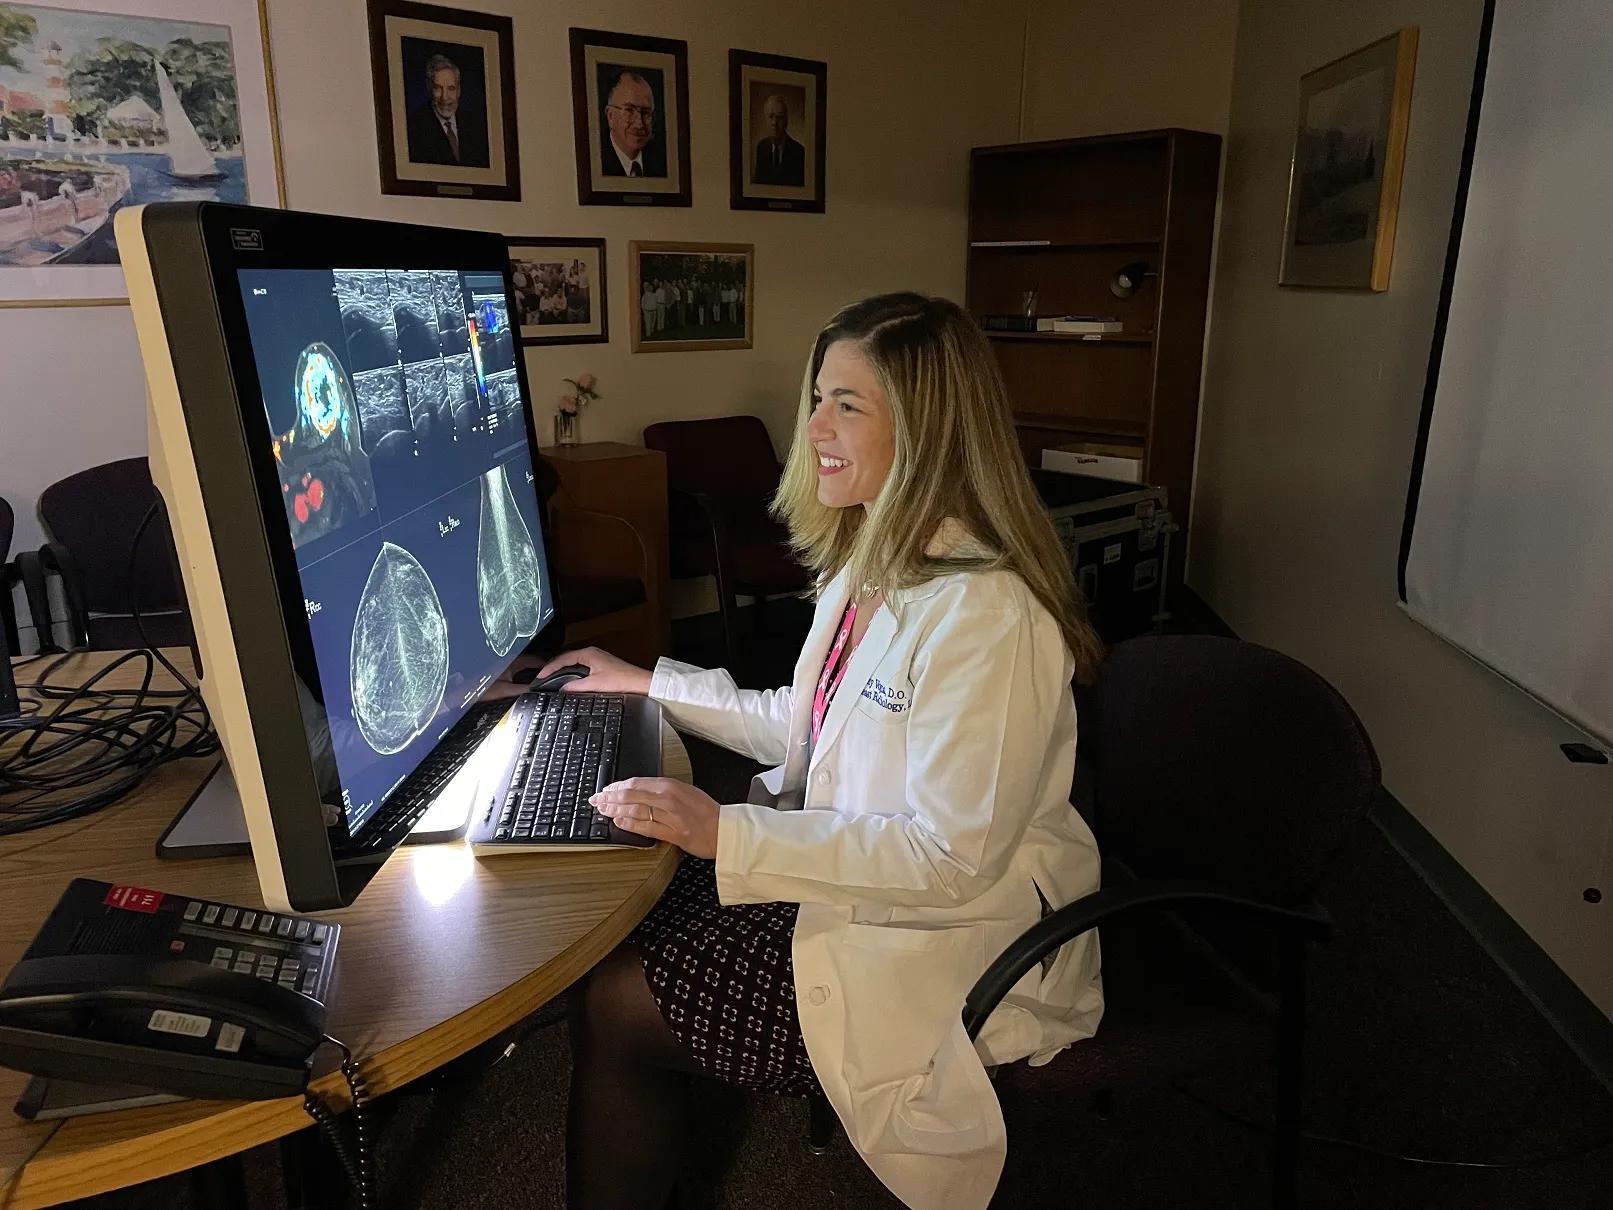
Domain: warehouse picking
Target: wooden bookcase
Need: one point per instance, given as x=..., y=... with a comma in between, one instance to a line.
x=1061, y=218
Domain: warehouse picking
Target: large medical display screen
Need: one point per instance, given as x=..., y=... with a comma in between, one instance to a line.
x=407, y=485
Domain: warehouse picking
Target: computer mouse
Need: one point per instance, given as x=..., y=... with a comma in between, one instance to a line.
x=559, y=677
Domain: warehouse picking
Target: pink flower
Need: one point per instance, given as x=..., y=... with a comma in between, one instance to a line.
x=586, y=382
x=568, y=405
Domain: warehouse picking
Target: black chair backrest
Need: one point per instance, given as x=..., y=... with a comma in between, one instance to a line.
x=8, y=526
x=95, y=514
x=1220, y=760
x=727, y=454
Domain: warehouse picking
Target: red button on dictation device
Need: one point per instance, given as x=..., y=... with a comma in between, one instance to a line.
x=133, y=899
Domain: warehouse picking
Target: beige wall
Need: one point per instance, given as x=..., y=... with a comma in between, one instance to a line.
x=912, y=86
x=1097, y=67
x=1310, y=416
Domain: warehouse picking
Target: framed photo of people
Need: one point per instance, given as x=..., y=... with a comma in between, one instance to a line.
x=777, y=126
x=559, y=291
x=444, y=101
x=691, y=296
x=110, y=104
x=630, y=103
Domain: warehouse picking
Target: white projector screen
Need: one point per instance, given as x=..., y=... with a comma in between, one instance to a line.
x=1508, y=546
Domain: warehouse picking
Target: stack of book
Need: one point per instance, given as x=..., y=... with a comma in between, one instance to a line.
x=1075, y=325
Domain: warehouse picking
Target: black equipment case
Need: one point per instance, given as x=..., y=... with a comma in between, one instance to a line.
x=1118, y=537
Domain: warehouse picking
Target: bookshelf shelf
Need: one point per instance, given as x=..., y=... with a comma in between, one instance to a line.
x=1045, y=245
x=1095, y=426
x=1060, y=219
x=1100, y=338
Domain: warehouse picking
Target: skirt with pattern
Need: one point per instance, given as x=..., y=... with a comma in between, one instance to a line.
x=724, y=981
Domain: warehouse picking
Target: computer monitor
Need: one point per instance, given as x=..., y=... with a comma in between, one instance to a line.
x=340, y=432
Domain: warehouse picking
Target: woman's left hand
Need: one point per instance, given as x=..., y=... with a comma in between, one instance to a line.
x=664, y=808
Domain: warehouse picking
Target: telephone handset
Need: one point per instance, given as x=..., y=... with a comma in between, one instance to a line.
x=131, y=986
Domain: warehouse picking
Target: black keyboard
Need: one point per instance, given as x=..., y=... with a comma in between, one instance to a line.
x=565, y=746
x=419, y=790
x=568, y=753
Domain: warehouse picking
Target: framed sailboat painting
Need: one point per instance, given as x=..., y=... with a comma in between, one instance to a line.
x=106, y=104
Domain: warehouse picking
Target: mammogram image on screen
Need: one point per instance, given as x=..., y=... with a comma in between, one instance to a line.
x=399, y=657
x=367, y=318
x=325, y=475
x=507, y=581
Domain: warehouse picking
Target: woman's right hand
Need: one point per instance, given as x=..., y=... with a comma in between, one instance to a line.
x=606, y=673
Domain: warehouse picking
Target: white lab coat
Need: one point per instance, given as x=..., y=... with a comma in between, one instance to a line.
x=920, y=837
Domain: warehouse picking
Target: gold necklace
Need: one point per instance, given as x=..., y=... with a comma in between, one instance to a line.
x=869, y=588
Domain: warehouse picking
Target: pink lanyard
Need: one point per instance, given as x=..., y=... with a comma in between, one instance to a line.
x=826, y=686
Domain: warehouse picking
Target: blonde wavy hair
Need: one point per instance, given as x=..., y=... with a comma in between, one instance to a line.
x=956, y=456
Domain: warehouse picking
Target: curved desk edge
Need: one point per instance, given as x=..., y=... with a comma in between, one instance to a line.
x=60, y=1172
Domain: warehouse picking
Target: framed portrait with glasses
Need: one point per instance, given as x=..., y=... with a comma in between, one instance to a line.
x=630, y=101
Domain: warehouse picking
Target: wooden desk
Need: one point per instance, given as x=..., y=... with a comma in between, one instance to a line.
x=440, y=953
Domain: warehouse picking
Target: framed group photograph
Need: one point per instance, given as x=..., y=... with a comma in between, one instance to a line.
x=691, y=296
x=444, y=101
x=630, y=105
x=1349, y=150
x=107, y=104
x=559, y=291
x=777, y=125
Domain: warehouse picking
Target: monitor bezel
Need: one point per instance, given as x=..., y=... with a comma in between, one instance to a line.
x=238, y=238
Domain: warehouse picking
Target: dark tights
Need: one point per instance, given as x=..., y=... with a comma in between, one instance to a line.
x=629, y=1091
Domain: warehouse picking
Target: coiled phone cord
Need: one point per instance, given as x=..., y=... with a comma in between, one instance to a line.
x=355, y=1160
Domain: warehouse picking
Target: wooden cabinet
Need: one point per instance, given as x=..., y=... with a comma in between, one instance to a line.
x=1061, y=218
x=626, y=481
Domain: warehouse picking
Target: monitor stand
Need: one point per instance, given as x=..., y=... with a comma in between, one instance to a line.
x=212, y=823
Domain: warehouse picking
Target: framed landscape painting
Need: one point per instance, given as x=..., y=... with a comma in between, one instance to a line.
x=1349, y=150
x=106, y=104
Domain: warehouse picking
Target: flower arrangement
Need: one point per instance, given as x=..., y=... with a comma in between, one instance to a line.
x=571, y=406
x=583, y=385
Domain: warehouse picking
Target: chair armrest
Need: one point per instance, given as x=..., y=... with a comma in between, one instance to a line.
x=597, y=544
x=1307, y=923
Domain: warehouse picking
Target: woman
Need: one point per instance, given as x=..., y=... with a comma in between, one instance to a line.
x=828, y=931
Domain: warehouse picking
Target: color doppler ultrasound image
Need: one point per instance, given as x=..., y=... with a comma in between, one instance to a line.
x=325, y=478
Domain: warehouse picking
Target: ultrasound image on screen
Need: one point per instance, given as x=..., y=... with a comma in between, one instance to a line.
x=367, y=319
x=408, y=486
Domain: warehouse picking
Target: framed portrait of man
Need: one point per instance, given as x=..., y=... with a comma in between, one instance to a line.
x=444, y=101
x=691, y=296
x=630, y=102
x=777, y=123
x=559, y=288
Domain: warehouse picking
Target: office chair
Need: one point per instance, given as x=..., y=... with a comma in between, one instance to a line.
x=721, y=476
x=90, y=520
x=1221, y=780
x=9, y=576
